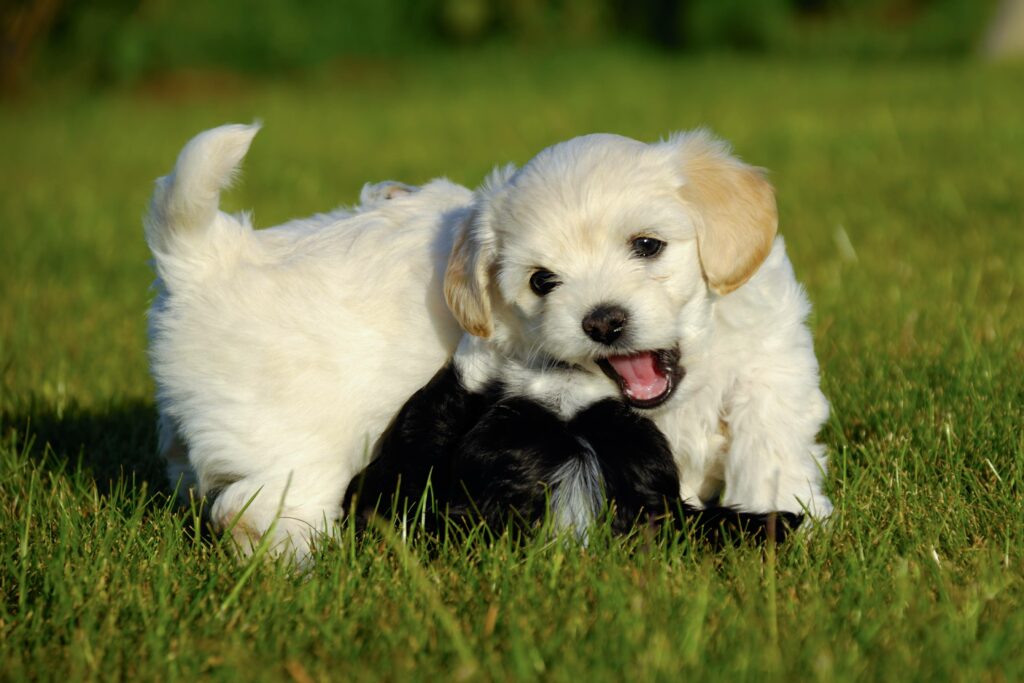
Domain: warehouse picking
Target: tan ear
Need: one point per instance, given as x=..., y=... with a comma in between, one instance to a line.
x=736, y=206
x=467, y=280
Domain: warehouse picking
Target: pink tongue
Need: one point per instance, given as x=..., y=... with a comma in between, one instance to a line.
x=640, y=375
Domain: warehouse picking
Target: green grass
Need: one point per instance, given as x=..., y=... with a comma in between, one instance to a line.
x=899, y=194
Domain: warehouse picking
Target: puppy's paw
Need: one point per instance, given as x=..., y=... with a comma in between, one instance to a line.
x=818, y=508
x=255, y=518
x=817, y=511
x=288, y=537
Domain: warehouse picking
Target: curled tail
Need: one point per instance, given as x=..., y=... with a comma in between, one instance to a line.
x=185, y=202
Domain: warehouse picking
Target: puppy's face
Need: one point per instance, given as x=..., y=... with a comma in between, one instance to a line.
x=602, y=254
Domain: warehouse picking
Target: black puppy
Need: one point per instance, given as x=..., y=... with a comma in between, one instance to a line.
x=509, y=460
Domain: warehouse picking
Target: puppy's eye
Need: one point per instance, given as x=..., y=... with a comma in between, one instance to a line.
x=647, y=247
x=543, y=281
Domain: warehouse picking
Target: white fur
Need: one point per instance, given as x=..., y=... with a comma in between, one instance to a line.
x=744, y=421
x=577, y=492
x=280, y=355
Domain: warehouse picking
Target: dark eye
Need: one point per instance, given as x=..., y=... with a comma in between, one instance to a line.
x=543, y=281
x=647, y=247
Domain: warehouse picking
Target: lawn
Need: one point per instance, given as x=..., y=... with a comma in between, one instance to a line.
x=899, y=192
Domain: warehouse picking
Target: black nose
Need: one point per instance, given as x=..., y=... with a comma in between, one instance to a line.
x=605, y=323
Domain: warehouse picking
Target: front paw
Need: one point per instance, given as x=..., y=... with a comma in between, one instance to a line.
x=819, y=508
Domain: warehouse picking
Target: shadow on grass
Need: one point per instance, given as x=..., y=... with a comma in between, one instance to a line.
x=107, y=445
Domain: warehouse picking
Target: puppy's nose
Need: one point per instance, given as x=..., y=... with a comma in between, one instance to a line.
x=605, y=323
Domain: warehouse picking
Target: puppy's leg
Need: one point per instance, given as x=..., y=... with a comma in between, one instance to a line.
x=774, y=462
x=297, y=504
x=696, y=438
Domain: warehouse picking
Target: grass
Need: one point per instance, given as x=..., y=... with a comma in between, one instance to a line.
x=899, y=192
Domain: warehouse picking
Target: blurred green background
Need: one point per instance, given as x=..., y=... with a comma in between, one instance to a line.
x=119, y=41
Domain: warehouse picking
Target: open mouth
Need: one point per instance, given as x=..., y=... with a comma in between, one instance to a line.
x=646, y=379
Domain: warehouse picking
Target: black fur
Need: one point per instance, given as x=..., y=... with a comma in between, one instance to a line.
x=419, y=445
x=494, y=459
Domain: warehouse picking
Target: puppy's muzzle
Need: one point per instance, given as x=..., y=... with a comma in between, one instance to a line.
x=605, y=323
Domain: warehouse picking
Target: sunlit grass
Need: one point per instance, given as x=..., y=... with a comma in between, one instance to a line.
x=899, y=191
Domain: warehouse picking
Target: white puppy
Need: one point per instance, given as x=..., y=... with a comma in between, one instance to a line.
x=280, y=355
x=607, y=266
x=604, y=267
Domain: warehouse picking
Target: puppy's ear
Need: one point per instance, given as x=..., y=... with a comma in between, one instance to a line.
x=467, y=280
x=468, y=276
x=736, y=209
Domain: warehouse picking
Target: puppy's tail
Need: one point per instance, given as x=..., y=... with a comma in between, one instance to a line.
x=184, y=207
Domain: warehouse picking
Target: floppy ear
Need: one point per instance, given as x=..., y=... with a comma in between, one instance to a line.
x=467, y=278
x=736, y=208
